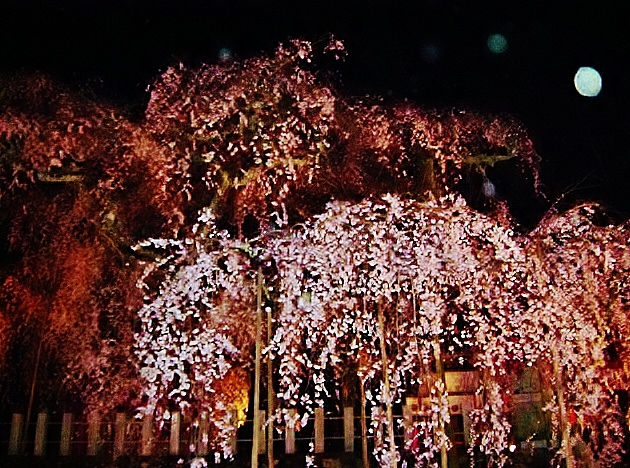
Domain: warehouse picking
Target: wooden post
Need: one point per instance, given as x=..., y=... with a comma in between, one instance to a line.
x=32, y=394
x=119, y=434
x=289, y=434
x=389, y=411
x=261, y=432
x=66, y=435
x=257, y=421
x=146, y=446
x=40, y=435
x=173, y=443
x=319, y=430
x=94, y=432
x=562, y=415
x=202, y=444
x=364, y=437
x=348, y=428
x=270, y=393
x=15, y=437
x=439, y=370
x=232, y=438
x=407, y=423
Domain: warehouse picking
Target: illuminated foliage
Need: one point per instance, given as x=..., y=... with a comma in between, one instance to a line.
x=80, y=183
x=250, y=131
x=582, y=308
x=134, y=248
x=269, y=139
x=438, y=272
x=425, y=265
x=197, y=330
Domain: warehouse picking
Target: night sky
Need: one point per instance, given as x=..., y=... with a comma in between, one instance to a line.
x=432, y=52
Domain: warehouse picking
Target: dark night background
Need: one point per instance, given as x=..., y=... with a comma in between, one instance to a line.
x=432, y=52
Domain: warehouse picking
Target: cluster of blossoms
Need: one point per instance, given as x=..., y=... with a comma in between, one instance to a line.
x=388, y=287
x=257, y=128
x=582, y=306
x=197, y=330
x=48, y=134
x=270, y=139
x=79, y=183
x=419, y=264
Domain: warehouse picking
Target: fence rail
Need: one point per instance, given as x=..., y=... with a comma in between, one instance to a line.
x=118, y=434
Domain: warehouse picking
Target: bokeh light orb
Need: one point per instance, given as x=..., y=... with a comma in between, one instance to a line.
x=588, y=81
x=430, y=53
x=497, y=43
x=225, y=54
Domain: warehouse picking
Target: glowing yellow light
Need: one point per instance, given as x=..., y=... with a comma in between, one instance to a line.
x=497, y=43
x=588, y=81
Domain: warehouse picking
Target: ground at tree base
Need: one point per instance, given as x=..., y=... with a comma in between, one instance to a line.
x=540, y=458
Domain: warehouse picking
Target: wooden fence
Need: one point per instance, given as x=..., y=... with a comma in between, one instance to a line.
x=116, y=435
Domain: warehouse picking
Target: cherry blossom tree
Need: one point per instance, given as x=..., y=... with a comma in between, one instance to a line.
x=266, y=139
x=248, y=132
x=581, y=284
x=399, y=272
x=380, y=244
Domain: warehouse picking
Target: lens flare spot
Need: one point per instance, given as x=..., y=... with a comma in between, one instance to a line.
x=497, y=43
x=588, y=81
x=225, y=54
x=430, y=53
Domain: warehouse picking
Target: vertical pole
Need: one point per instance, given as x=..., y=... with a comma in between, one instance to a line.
x=364, y=437
x=94, y=423
x=40, y=435
x=261, y=433
x=31, y=398
x=257, y=421
x=66, y=435
x=439, y=370
x=202, y=445
x=173, y=442
x=319, y=430
x=147, y=435
x=289, y=433
x=564, y=425
x=119, y=435
x=407, y=423
x=15, y=438
x=389, y=411
x=232, y=437
x=270, y=393
x=348, y=428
